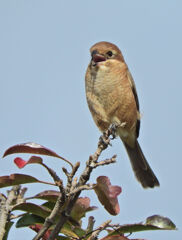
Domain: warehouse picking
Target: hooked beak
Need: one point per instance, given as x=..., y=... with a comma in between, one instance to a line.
x=96, y=58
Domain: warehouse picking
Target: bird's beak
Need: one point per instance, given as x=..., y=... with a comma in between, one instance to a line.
x=96, y=58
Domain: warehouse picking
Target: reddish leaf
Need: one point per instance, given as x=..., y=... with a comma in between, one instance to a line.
x=16, y=179
x=22, y=163
x=81, y=206
x=107, y=194
x=116, y=237
x=33, y=148
x=37, y=227
x=49, y=195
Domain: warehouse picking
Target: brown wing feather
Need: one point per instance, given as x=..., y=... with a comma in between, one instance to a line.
x=136, y=100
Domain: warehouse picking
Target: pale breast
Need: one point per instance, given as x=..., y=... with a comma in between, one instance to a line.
x=109, y=86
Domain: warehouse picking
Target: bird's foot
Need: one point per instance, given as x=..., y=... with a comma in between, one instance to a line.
x=113, y=129
x=104, y=141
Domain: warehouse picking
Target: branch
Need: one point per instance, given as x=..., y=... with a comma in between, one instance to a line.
x=101, y=228
x=81, y=188
x=70, y=175
x=6, y=207
x=92, y=163
x=51, y=219
x=106, y=162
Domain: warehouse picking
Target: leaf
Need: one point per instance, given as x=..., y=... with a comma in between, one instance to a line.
x=49, y=205
x=40, y=211
x=68, y=229
x=107, y=194
x=151, y=223
x=116, y=237
x=49, y=195
x=37, y=227
x=161, y=222
x=80, y=208
x=22, y=163
x=28, y=220
x=71, y=231
x=62, y=238
x=7, y=228
x=16, y=179
x=33, y=148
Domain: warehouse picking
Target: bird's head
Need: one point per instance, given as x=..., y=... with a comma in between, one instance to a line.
x=104, y=51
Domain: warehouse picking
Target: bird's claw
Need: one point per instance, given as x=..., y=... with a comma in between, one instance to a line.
x=113, y=129
x=104, y=141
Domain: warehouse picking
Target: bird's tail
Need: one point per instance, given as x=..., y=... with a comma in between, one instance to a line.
x=141, y=168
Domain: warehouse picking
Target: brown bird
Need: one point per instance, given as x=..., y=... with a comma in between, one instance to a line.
x=112, y=99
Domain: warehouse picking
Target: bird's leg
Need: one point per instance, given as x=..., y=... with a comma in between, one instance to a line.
x=113, y=128
x=104, y=140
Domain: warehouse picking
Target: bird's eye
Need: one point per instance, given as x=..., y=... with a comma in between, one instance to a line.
x=109, y=53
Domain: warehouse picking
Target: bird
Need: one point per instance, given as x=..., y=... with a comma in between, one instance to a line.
x=112, y=99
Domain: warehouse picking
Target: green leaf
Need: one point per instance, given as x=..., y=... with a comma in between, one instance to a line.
x=40, y=211
x=7, y=229
x=155, y=222
x=71, y=231
x=28, y=220
x=49, y=205
x=62, y=238
x=161, y=222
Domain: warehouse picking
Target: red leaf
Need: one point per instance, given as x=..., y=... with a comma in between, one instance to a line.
x=37, y=228
x=80, y=208
x=16, y=179
x=107, y=194
x=49, y=195
x=116, y=237
x=22, y=163
x=33, y=148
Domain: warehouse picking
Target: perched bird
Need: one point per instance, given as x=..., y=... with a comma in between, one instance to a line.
x=112, y=99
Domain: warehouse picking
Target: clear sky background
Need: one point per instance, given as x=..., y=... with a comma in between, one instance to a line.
x=44, y=53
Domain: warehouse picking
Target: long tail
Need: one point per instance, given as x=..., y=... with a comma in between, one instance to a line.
x=141, y=168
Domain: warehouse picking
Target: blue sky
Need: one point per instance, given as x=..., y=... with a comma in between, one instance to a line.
x=44, y=53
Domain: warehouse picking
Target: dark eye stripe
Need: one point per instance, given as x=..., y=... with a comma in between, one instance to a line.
x=94, y=52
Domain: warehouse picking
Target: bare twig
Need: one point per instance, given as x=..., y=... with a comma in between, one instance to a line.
x=57, y=180
x=81, y=188
x=101, y=228
x=103, y=143
x=106, y=162
x=70, y=175
x=91, y=222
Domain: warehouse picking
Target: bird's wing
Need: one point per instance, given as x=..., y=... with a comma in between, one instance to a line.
x=133, y=87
